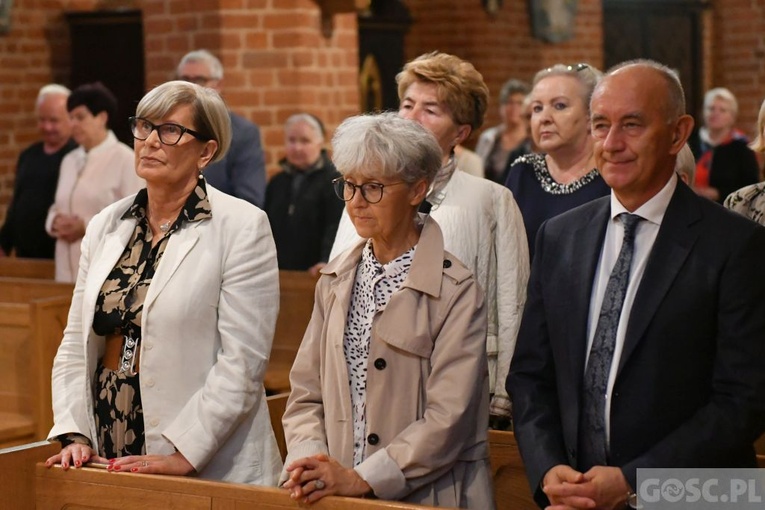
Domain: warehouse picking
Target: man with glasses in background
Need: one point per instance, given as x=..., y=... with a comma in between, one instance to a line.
x=242, y=172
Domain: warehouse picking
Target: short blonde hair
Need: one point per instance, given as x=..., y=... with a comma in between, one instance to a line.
x=758, y=145
x=460, y=86
x=724, y=94
x=587, y=76
x=209, y=113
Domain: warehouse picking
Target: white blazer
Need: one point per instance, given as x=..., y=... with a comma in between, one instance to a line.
x=207, y=327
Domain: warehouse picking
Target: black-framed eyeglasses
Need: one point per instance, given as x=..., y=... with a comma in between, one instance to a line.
x=169, y=133
x=371, y=191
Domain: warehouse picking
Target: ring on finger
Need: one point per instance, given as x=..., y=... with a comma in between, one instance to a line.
x=319, y=483
x=144, y=463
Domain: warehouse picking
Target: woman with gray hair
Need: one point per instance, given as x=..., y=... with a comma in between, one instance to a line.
x=162, y=362
x=391, y=373
x=301, y=206
x=724, y=162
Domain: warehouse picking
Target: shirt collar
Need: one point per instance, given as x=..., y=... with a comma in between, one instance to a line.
x=654, y=209
x=196, y=208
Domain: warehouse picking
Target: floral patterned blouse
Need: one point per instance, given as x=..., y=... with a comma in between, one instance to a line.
x=117, y=396
x=749, y=201
x=375, y=283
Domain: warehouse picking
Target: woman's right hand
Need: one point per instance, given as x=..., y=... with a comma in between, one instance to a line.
x=76, y=455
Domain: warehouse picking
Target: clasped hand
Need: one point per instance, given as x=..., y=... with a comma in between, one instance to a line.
x=78, y=455
x=602, y=488
x=69, y=228
x=334, y=479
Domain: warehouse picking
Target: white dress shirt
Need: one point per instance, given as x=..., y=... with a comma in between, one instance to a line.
x=652, y=213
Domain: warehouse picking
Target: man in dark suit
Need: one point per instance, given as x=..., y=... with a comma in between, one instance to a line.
x=242, y=172
x=642, y=344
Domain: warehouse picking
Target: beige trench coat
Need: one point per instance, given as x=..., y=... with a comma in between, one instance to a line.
x=427, y=383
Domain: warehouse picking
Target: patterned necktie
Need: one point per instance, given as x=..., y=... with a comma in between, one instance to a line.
x=592, y=427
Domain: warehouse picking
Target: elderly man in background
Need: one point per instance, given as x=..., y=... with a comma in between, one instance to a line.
x=36, y=176
x=242, y=172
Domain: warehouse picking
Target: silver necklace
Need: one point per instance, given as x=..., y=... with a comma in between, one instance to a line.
x=164, y=227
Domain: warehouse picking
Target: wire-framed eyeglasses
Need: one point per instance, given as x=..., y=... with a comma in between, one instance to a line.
x=169, y=133
x=372, y=192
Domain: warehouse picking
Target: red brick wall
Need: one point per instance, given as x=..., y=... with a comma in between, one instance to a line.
x=738, y=55
x=276, y=60
x=500, y=46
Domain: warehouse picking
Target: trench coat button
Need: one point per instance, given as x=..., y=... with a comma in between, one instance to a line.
x=154, y=422
x=373, y=439
x=380, y=364
x=447, y=264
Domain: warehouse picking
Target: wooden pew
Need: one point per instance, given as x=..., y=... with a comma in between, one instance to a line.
x=29, y=336
x=511, y=487
x=276, y=406
x=89, y=488
x=295, y=307
x=23, y=290
x=17, y=464
x=27, y=268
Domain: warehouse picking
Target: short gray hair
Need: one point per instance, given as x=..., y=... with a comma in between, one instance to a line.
x=685, y=164
x=306, y=118
x=724, y=94
x=209, y=113
x=675, y=93
x=52, y=89
x=512, y=87
x=205, y=57
x=587, y=75
x=386, y=145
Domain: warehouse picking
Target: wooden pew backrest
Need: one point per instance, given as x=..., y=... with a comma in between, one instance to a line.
x=27, y=268
x=96, y=489
x=24, y=290
x=295, y=308
x=17, y=464
x=276, y=406
x=511, y=486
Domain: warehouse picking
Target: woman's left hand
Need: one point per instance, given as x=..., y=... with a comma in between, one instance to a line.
x=336, y=480
x=175, y=464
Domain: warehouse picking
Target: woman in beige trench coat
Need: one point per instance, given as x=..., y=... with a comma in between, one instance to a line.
x=390, y=386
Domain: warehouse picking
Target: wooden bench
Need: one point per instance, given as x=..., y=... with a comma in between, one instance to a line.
x=18, y=465
x=276, y=406
x=511, y=487
x=27, y=268
x=23, y=290
x=30, y=333
x=89, y=488
x=295, y=308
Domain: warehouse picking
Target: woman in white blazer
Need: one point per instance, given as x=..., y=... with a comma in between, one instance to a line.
x=162, y=362
x=97, y=173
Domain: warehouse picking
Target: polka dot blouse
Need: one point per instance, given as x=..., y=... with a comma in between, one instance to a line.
x=372, y=289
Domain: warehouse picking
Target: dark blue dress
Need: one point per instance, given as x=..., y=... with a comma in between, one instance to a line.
x=540, y=197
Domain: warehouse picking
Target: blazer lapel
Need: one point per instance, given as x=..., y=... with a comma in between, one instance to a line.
x=101, y=264
x=178, y=247
x=674, y=242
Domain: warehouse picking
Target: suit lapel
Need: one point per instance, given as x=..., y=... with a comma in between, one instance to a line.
x=674, y=242
x=586, y=246
x=178, y=247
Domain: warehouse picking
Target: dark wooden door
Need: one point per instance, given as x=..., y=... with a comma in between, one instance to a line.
x=108, y=47
x=381, y=53
x=668, y=31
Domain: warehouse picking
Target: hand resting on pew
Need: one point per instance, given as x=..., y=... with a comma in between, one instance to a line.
x=332, y=477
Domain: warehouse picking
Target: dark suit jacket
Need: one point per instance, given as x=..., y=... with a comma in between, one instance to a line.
x=690, y=385
x=242, y=172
